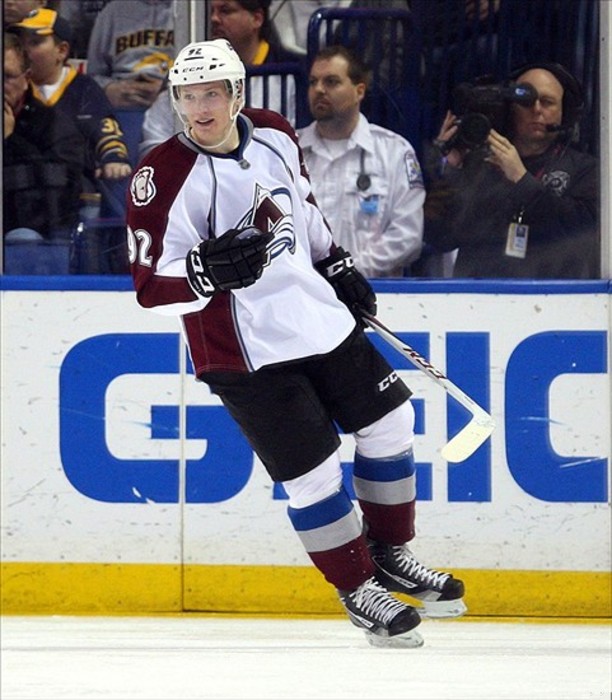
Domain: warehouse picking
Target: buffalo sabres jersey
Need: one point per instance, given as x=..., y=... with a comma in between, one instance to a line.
x=181, y=195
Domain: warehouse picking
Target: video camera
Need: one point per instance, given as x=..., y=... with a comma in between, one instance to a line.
x=482, y=107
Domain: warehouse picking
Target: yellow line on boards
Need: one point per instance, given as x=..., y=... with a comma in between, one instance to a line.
x=66, y=588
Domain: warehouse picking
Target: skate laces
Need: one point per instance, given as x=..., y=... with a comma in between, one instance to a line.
x=374, y=600
x=417, y=571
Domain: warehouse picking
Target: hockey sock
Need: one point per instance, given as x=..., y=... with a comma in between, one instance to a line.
x=386, y=489
x=332, y=536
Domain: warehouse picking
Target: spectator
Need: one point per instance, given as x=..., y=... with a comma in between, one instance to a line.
x=15, y=10
x=42, y=160
x=246, y=25
x=401, y=50
x=382, y=39
x=81, y=14
x=159, y=124
x=47, y=38
x=366, y=179
x=131, y=49
x=99, y=247
x=524, y=203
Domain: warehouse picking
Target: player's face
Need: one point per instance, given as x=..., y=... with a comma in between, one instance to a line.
x=331, y=93
x=207, y=107
x=530, y=122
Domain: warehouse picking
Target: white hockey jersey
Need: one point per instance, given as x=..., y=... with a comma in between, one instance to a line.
x=181, y=195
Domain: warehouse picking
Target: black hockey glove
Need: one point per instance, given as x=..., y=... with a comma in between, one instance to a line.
x=351, y=287
x=233, y=261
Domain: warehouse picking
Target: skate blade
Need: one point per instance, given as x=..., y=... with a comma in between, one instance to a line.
x=407, y=640
x=439, y=609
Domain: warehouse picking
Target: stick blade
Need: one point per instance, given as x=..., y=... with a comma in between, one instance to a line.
x=468, y=440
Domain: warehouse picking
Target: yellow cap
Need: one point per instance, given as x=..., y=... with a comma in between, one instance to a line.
x=45, y=22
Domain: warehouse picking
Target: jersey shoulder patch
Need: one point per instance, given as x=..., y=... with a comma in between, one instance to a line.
x=142, y=187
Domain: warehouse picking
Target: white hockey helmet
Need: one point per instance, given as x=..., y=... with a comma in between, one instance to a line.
x=207, y=62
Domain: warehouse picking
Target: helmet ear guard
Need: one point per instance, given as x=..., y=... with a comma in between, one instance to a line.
x=573, y=95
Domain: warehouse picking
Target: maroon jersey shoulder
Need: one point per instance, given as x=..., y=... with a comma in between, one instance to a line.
x=170, y=148
x=153, y=188
x=272, y=120
x=158, y=178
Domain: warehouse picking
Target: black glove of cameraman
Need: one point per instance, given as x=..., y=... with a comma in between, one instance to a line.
x=233, y=261
x=351, y=287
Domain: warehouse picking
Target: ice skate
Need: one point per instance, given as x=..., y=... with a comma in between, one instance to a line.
x=386, y=621
x=398, y=570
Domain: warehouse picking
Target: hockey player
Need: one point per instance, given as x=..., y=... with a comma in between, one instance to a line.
x=224, y=233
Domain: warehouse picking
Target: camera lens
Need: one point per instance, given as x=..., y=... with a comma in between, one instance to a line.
x=473, y=130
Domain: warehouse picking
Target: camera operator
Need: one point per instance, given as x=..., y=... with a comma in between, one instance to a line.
x=523, y=204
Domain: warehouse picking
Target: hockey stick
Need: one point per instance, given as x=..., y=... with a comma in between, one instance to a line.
x=481, y=425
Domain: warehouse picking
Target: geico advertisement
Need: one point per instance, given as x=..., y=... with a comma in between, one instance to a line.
x=111, y=451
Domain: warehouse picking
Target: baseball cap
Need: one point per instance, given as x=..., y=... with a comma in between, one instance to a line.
x=45, y=22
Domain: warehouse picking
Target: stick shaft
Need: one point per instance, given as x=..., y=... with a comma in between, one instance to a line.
x=421, y=363
x=427, y=368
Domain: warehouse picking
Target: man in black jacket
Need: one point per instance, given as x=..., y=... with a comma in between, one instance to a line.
x=43, y=159
x=522, y=205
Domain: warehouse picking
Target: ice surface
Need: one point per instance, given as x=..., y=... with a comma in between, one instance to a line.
x=199, y=656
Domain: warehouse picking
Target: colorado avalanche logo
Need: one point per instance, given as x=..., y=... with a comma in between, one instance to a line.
x=143, y=188
x=270, y=211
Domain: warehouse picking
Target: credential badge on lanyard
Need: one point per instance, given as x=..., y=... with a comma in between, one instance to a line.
x=516, y=241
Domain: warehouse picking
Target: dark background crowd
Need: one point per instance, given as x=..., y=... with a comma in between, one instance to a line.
x=85, y=86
